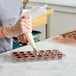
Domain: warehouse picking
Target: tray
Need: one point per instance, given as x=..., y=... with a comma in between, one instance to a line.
x=37, y=55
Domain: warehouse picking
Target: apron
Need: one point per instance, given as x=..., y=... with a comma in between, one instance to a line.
x=10, y=11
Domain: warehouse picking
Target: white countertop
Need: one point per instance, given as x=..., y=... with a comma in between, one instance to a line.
x=71, y=3
x=65, y=67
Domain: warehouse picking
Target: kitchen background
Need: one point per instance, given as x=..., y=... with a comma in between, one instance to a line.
x=63, y=19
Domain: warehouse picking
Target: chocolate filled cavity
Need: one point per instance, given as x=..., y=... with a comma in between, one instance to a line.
x=21, y=52
x=39, y=55
x=14, y=53
x=28, y=52
x=60, y=54
x=41, y=51
x=33, y=56
x=46, y=55
x=18, y=57
x=26, y=56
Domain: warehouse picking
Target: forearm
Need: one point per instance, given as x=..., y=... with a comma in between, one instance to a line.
x=8, y=31
x=1, y=32
x=22, y=26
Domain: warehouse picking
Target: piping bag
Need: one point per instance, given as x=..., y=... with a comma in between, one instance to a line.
x=34, y=12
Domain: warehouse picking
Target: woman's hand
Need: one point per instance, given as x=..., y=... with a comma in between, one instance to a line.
x=22, y=38
x=23, y=25
x=65, y=40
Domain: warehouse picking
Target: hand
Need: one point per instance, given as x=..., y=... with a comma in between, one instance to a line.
x=22, y=38
x=65, y=40
x=23, y=25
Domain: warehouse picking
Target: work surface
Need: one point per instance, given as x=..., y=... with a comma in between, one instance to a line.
x=64, y=67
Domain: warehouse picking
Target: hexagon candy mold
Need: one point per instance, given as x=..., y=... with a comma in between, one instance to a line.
x=37, y=56
x=69, y=35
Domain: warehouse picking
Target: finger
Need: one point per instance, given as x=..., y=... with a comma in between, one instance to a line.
x=64, y=40
x=60, y=39
x=28, y=43
x=28, y=19
x=27, y=23
x=24, y=38
x=20, y=38
x=28, y=26
x=56, y=38
x=23, y=17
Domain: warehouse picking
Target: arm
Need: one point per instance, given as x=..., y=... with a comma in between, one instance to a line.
x=1, y=32
x=23, y=25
